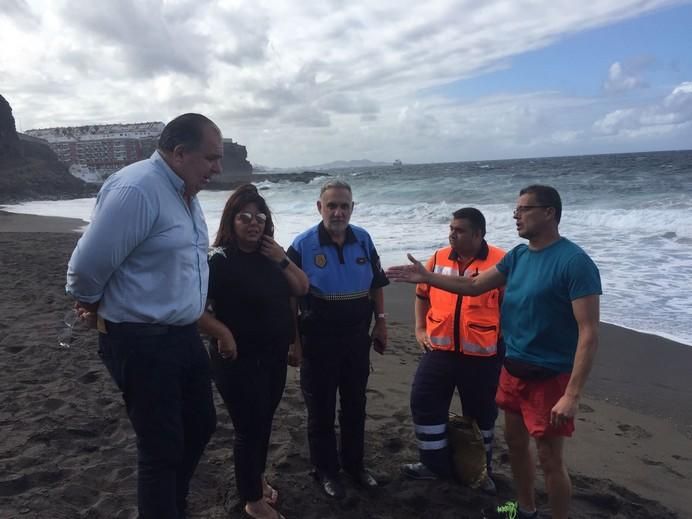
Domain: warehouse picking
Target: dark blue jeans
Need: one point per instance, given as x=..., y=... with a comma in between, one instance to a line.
x=166, y=384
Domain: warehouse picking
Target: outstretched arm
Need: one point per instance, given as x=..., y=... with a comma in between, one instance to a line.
x=417, y=273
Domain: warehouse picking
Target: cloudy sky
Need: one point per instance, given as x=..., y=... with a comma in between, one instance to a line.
x=307, y=82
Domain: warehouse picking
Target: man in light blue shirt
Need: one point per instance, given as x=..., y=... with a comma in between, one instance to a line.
x=141, y=267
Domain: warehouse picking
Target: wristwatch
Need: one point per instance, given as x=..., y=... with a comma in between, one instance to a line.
x=381, y=316
x=284, y=262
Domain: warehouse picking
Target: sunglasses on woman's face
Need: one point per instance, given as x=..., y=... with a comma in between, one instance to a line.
x=246, y=218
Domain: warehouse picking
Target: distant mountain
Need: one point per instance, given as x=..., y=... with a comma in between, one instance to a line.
x=339, y=164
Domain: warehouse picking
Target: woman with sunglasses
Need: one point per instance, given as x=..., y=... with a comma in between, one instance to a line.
x=251, y=322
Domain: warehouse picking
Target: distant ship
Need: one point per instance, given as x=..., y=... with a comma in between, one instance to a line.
x=397, y=163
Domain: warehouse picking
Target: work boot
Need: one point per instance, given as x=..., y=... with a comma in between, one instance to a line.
x=418, y=470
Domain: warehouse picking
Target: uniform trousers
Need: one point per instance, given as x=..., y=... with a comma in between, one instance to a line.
x=438, y=374
x=336, y=362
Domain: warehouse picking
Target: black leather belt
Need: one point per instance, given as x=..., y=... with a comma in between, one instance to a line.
x=140, y=329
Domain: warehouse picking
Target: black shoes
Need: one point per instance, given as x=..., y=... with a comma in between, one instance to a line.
x=418, y=471
x=331, y=485
x=365, y=479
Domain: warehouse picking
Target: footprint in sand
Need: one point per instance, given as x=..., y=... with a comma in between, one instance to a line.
x=13, y=484
x=90, y=377
x=393, y=445
x=47, y=477
x=53, y=404
x=375, y=393
x=634, y=431
x=653, y=463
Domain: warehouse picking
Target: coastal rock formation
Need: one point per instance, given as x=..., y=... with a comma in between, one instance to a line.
x=235, y=163
x=28, y=167
x=9, y=142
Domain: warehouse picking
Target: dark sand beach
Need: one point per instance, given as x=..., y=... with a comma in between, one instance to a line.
x=67, y=449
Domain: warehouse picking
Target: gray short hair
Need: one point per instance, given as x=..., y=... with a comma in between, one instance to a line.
x=335, y=183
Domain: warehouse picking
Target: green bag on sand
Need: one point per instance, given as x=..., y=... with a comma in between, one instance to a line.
x=467, y=449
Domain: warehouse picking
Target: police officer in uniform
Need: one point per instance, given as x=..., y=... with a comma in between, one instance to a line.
x=346, y=282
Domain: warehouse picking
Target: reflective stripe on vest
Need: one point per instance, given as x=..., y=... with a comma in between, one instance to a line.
x=441, y=340
x=470, y=347
x=446, y=271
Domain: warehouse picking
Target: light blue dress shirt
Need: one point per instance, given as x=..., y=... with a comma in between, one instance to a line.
x=144, y=254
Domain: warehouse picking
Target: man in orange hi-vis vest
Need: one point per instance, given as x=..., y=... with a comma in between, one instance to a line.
x=461, y=341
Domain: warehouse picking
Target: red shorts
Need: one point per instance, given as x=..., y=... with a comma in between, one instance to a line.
x=533, y=400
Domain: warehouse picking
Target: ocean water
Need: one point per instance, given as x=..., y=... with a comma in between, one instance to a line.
x=631, y=212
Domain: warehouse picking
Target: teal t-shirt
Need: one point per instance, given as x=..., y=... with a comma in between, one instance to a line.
x=538, y=324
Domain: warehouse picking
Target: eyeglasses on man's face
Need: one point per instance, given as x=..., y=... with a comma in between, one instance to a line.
x=245, y=217
x=521, y=209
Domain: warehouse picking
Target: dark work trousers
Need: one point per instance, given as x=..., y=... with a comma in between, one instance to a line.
x=439, y=373
x=166, y=384
x=330, y=363
x=251, y=388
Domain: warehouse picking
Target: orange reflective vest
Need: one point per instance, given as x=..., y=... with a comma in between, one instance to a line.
x=463, y=323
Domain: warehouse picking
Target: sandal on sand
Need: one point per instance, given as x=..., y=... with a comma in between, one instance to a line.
x=271, y=495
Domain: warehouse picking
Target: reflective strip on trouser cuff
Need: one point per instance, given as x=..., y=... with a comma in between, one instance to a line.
x=469, y=347
x=432, y=445
x=441, y=341
x=488, y=436
x=430, y=429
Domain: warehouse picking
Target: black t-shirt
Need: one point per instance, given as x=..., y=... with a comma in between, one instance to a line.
x=251, y=296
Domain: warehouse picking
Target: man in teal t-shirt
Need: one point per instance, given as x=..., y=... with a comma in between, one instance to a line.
x=538, y=320
x=550, y=316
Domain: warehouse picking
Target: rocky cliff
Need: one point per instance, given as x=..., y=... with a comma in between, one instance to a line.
x=29, y=170
x=10, y=148
x=235, y=163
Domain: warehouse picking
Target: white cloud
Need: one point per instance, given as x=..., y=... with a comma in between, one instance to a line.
x=301, y=82
x=19, y=12
x=620, y=80
x=672, y=112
